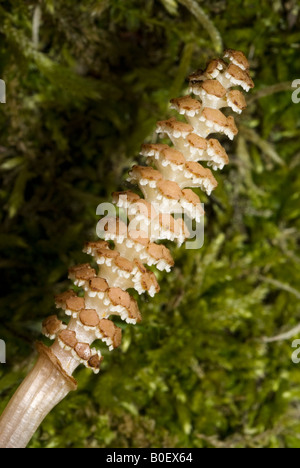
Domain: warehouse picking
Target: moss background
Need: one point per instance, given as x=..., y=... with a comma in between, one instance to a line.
x=86, y=82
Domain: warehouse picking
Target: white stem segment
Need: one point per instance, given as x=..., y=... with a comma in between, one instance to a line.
x=44, y=387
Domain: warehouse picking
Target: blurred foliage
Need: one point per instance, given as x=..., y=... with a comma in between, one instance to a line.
x=86, y=82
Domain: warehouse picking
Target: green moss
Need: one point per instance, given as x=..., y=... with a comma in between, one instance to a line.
x=196, y=372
